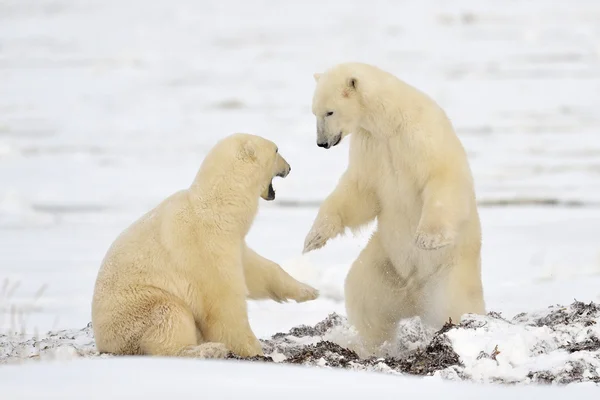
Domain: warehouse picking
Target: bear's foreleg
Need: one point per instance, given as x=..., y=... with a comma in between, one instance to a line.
x=225, y=318
x=350, y=205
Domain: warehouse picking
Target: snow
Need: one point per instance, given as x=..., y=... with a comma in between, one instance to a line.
x=107, y=107
x=557, y=345
x=217, y=379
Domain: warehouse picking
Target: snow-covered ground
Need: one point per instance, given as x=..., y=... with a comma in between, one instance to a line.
x=221, y=380
x=557, y=345
x=108, y=106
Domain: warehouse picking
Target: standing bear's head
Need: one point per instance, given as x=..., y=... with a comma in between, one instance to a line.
x=336, y=104
x=243, y=164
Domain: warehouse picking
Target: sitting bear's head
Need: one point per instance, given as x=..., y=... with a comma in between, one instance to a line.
x=244, y=162
x=274, y=165
x=336, y=104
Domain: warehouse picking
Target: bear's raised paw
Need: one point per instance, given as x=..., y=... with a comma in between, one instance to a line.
x=323, y=229
x=305, y=293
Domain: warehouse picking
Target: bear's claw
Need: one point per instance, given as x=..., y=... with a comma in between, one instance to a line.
x=432, y=241
x=314, y=242
x=306, y=293
x=324, y=228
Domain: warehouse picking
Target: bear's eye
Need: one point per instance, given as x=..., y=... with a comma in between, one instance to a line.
x=330, y=113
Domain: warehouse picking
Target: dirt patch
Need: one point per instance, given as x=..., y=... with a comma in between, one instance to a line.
x=574, y=371
x=570, y=328
x=591, y=344
x=319, y=329
x=324, y=354
x=577, y=312
x=436, y=355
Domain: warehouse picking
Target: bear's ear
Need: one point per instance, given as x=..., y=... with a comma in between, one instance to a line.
x=247, y=151
x=317, y=75
x=352, y=83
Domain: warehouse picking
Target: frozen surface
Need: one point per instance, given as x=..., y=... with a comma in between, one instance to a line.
x=159, y=379
x=558, y=345
x=107, y=107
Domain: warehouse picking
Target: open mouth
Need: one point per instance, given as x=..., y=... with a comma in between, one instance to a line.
x=270, y=192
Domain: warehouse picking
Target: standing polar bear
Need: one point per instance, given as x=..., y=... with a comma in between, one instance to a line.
x=408, y=169
x=175, y=282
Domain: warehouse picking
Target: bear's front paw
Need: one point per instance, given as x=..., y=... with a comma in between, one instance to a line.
x=250, y=349
x=323, y=229
x=305, y=293
x=213, y=350
x=433, y=240
x=206, y=350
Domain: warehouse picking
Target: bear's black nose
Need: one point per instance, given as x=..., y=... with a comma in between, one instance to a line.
x=326, y=145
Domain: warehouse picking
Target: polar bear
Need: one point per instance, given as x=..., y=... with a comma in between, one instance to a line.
x=175, y=282
x=408, y=169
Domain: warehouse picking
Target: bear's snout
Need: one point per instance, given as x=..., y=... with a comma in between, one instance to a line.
x=326, y=144
x=283, y=167
x=285, y=172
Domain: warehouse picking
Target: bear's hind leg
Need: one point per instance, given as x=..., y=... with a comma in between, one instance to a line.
x=453, y=292
x=171, y=332
x=375, y=296
x=267, y=280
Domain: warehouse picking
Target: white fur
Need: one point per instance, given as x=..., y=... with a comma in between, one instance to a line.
x=408, y=169
x=175, y=282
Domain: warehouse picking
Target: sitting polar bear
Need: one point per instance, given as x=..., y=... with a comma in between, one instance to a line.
x=175, y=282
x=408, y=169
